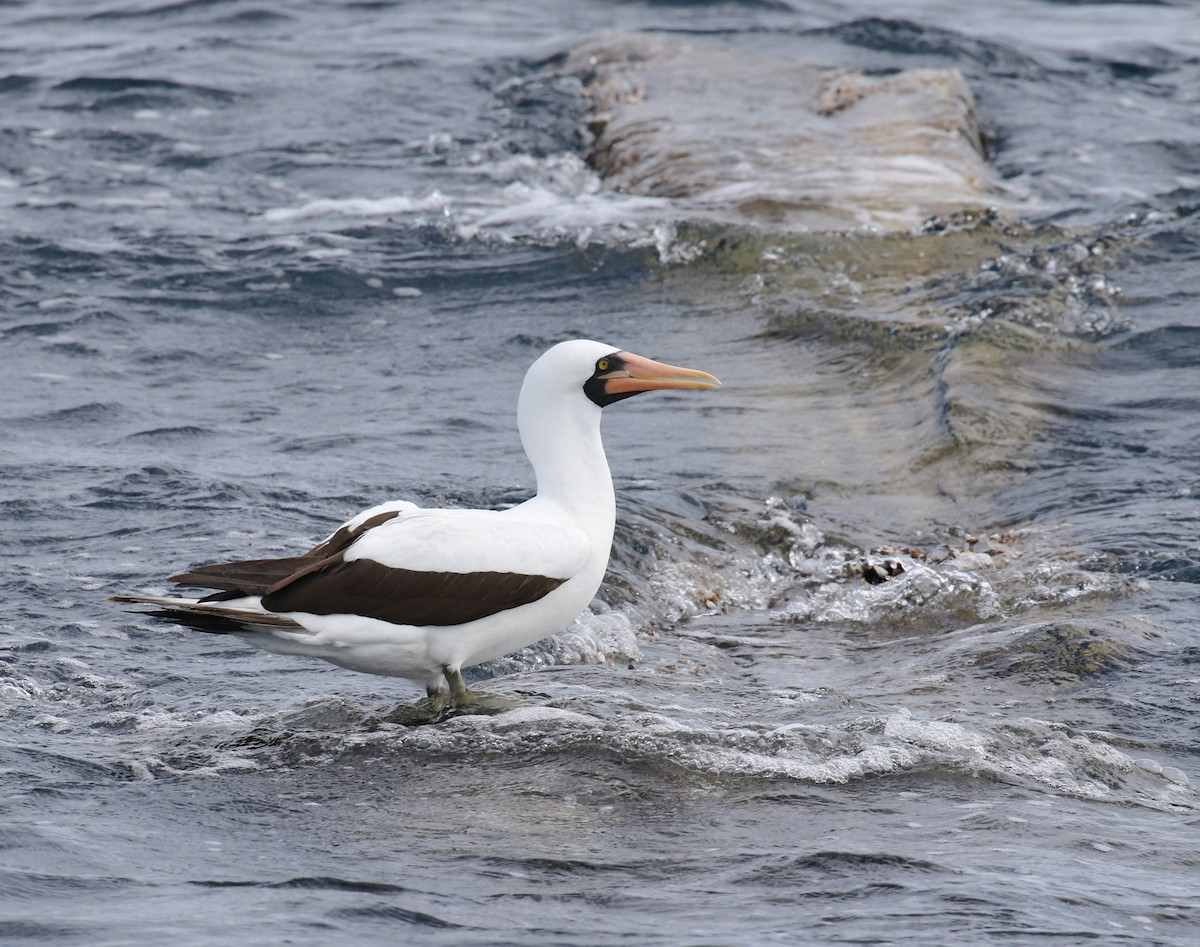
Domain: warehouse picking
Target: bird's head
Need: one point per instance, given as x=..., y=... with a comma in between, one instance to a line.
x=559, y=411
x=606, y=374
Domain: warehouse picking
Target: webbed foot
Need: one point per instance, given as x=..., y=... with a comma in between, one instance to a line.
x=456, y=701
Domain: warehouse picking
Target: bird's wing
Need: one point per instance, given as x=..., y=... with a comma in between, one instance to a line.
x=436, y=567
x=258, y=576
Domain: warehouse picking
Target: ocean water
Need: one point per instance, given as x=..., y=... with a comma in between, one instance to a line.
x=900, y=642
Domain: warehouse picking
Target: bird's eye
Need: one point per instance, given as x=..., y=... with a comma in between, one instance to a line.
x=602, y=365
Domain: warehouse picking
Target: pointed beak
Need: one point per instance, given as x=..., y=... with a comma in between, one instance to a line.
x=644, y=374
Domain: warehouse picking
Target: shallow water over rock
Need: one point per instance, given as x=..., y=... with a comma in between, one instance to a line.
x=791, y=142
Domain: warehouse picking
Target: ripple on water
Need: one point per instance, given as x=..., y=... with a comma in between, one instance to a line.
x=94, y=414
x=829, y=745
x=177, y=432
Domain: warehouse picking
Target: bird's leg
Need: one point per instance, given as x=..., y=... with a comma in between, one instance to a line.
x=458, y=687
x=442, y=705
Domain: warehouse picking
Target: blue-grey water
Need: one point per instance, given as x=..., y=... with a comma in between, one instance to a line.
x=262, y=266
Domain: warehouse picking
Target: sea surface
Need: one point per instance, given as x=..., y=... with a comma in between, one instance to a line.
x=900, y=642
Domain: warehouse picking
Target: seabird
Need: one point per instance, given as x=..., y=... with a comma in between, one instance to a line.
x=423, y=593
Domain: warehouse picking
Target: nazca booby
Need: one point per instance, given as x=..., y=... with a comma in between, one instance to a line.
x=423, y=593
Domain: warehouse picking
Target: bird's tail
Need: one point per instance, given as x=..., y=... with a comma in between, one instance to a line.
x=215, y=617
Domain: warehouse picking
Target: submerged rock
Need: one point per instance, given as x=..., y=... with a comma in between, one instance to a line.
x=792, y=143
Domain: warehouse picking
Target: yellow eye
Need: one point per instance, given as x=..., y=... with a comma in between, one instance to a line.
x=602, y=365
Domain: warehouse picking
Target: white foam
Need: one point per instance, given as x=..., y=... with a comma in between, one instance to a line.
x=359, y=207
x=524, y=718
x=591, y=639
x=555, y=197
x=919, y=589
x=939, y=735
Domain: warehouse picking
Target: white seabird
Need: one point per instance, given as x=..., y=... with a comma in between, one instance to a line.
x=423, y=593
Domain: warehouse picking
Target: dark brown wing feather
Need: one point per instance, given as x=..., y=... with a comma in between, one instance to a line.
x=402, y=596
x=248, y=577
x=258, y=576
x=342, y=539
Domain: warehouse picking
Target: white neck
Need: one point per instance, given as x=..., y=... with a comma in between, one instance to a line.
x=560, y=430
x=561, y=437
